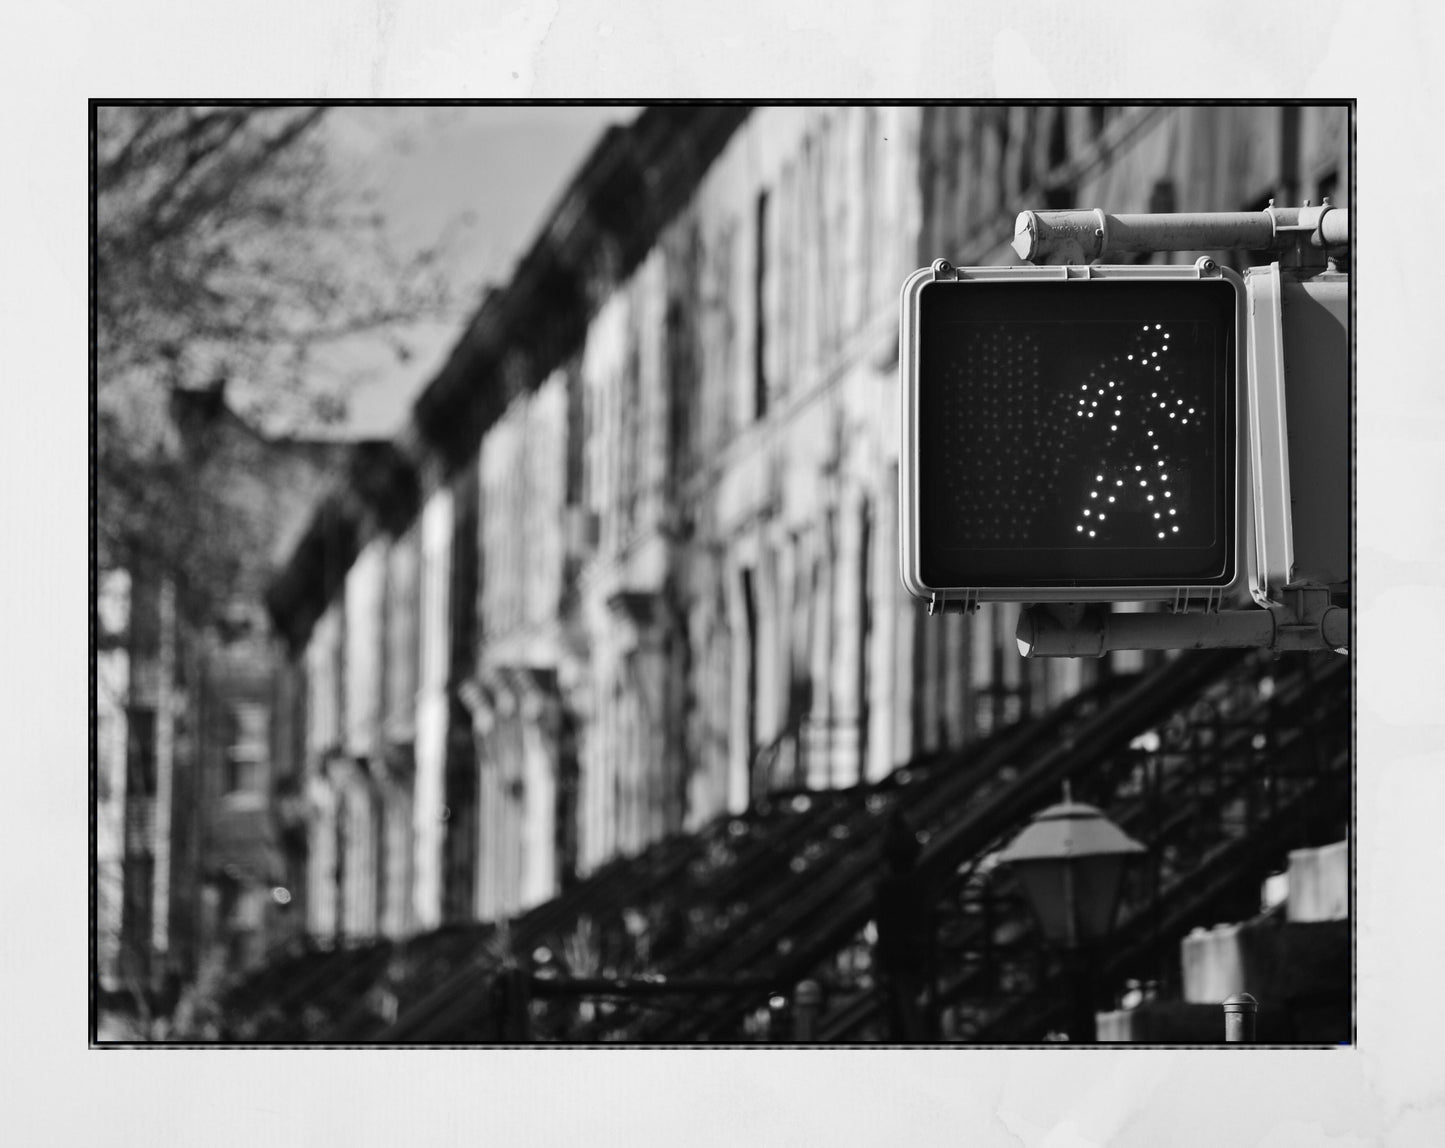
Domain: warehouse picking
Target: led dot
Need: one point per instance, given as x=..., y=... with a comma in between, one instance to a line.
x=1091, y=534
x=1149, y=433
x=1111, y=498
x=1118, y=482
x=1079, y=528
x=1142, y=481
x=1176, y=529
x=1113, y=428
x=1154, y=354
x=1087, y=512
x=1156, y=514
x=1171, y=510
x=1131, y=356
x=1093, y=494
x=1151, y=499
x=1101, y=518
x=1093, y=403
x=1091, y=414
x=1158, y=368
x=1166, y=494
x=1157, y=327
x=1138, y=467
x=1191, y=410
x=1161, y=534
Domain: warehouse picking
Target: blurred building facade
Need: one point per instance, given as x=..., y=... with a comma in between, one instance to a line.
x=188, y=861
x=633, y=562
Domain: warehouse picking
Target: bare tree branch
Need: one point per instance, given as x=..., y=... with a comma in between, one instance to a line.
x=224, y=247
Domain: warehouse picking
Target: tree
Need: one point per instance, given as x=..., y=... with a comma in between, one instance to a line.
x=226, y=252
x=228, y=255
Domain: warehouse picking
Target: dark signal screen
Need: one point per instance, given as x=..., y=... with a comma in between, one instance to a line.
x=1076, y=432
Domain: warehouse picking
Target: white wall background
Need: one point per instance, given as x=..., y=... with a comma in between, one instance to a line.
x=1389, y=1090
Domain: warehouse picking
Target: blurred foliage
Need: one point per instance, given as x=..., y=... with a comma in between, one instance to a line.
x=228, y=258
x=226, y=246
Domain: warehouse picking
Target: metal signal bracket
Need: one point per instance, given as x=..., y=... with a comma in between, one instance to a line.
x=1198, y=599
x=965, y=603
x=1310, y=623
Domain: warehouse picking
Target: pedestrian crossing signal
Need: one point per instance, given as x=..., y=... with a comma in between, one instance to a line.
x=1072, y=433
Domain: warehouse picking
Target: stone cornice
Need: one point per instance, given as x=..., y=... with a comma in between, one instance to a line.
x=627, y=190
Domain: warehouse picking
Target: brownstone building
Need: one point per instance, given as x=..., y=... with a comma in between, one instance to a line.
x=628, y=577
x=189, y=867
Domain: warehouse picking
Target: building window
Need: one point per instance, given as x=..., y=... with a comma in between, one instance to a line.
x=141, y=752
x=112, y=609
x=247, y=744
x=237, y=622
x=750, y=614
x=105, y=735
x=760, y=310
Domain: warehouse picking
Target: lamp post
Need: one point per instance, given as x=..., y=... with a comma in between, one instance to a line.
x=1070, y=861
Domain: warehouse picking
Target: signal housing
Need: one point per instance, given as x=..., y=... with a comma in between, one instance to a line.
x=1041, y=404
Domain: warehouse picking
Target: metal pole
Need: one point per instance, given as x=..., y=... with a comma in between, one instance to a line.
x=1240, y=1011
x=624, y=987
x=1334, y=229
x=1050, y=632
x=515, y=1023
x=807, y=998
x=1083, y=1029
x=1079, y=236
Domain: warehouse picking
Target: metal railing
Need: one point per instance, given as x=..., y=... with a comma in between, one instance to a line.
x=762, y=902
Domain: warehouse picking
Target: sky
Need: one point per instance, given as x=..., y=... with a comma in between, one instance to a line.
x=485, y=178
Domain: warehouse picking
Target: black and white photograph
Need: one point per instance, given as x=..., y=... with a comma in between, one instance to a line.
x=713, y=575
x=723, y=574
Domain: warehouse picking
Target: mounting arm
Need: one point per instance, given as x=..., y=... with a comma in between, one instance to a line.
x=1077, y=631
x=1080, y=236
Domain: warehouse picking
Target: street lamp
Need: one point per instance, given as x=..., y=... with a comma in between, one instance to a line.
x=1070, y=862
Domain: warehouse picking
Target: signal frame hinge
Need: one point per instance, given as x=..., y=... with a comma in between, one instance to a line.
x=1201, y=599
x=942, y=604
